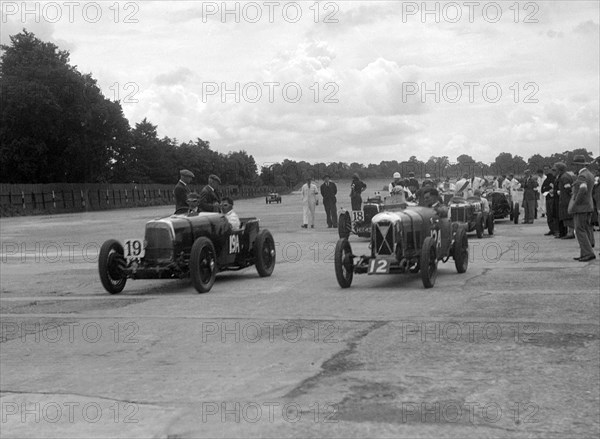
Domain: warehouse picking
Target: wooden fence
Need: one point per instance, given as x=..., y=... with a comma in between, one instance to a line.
x=26, y=199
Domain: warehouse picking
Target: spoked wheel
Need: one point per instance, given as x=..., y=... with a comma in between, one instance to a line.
x=110, y=265
x=429, y=262
x=203, y=265
x=264, y=246
x=344, y=225
x=516, y=213
x=461, y=250
x=344, y=264
x=479, y=226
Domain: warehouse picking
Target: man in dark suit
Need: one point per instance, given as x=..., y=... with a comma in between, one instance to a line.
x=328, y=192
x=182, y=191
x=547, y=194
x=582, y=206
x=210, y=200
x=529, y=195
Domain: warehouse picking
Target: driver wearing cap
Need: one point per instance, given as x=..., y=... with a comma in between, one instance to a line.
x=210, y=200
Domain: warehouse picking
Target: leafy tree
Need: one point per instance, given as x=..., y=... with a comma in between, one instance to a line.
x=56, y=126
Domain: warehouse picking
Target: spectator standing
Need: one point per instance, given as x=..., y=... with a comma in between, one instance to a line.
x=357, y=187
x=210, y=199
x=564, y=182
x=309, y=201
x=182, y=191
x=547, y=198
x=581, y=206
x=328, y=192
x=529, y=185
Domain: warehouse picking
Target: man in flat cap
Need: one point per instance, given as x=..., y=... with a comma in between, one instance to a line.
x=210, y=200
x=182, y=191
x=581, y=206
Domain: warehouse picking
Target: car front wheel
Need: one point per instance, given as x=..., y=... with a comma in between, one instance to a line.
x=516, y=213
x=344, y=225
x=461, y=250
x=264, y=246
x=110, y=266
x=429, y=262
x=479, y=226
x=203, y=264
x=344, y=265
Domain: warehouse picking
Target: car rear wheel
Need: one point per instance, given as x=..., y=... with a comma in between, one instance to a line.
x=515, y=213
x=429, y=262
x=264, y=247
x=203, y=264
x=461, y=250
x=490, y=223
x=110, y=266
x=479, y=226
x=344, y=225
x=344, y=264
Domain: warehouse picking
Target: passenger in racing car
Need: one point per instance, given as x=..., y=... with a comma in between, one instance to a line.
x=227, y=209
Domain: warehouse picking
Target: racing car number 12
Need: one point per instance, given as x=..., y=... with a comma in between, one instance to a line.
x=134, y=249
x=379, y=266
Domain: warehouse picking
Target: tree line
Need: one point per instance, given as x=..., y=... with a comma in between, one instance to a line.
x=56, y=126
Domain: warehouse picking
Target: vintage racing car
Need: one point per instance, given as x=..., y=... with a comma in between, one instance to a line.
x=359, y=221
x=502, y=206
x=470, y=212
x=273, y=197
x=197, y=245
x=405, y=239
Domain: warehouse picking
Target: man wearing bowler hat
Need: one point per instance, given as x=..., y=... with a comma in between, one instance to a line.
x=182, y=191
x=210, y=200
x=582, y=207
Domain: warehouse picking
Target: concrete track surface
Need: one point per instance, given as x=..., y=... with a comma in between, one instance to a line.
x=508, y=349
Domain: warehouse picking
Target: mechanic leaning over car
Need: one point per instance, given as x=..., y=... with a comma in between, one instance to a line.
x=210, y=200
x=182, y=191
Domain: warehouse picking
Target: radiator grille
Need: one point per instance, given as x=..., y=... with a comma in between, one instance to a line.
x=384, y=238
x=370, y=211
x=158, y=244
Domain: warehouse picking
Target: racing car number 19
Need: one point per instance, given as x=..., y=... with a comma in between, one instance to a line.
x=134, y=249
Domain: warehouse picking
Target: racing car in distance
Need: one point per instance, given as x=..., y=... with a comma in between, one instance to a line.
x=273, y=197
x=501, y=205
x=470, y=212
x=405, y=239
x=358, y=222
x=197, y=245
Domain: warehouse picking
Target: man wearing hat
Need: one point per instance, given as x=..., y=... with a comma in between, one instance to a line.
x=564, y=183
x=529, y=195
x=182, y=191
x=412, y=184
x=210, y=200
x=581, y=206
x=328, y=192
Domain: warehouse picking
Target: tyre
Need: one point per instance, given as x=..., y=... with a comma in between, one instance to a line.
x=428, y=262
x=515, y=215
x=344, y=264
x=203, y=264
x=264, y=248
x=110, y=266
x=490, y=224
x=460, y=251
x=479, y=226
x=344, y=225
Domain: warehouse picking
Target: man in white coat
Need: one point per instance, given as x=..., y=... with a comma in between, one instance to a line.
x=309, y=201
x=463, y=186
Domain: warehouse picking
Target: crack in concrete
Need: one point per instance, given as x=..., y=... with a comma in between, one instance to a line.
x=337, y=364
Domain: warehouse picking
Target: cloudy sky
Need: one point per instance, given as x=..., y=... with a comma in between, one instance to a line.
x=341, y=81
